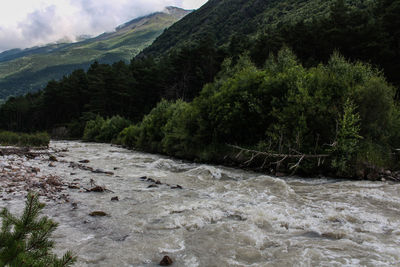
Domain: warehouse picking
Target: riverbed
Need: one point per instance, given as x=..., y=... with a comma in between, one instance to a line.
x=204, y=215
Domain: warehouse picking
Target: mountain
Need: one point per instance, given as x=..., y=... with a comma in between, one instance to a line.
x=221, y=19
x=28, y=70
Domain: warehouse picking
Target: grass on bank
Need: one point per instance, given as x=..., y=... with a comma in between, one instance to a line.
x=24, y=139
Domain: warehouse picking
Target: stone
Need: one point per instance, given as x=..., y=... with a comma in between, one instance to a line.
x=52, y=158
x=35, y=170
x=102, y=171
x=73, y=186
x=97, y=189
x=84, y=161
x=98, y=213
x=52, y=165
x=158, y=182
x=115, y=199
x=166, y=261
x=177, y=187
x=152, y=186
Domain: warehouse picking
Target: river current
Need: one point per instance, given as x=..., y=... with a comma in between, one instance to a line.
x=220, y=217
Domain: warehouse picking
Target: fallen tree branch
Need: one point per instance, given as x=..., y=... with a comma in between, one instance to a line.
x=279, y=155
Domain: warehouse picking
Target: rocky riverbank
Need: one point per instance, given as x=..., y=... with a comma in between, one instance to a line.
x=20, y=172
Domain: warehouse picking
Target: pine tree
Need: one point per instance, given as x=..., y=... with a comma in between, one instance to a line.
x=25, y=241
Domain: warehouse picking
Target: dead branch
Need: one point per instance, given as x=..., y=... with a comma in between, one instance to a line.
x=279, y=155
x=296, y=166
x=278, y=163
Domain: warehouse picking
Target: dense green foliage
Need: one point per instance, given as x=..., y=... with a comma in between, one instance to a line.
x=282, y=107
x=24, y=139
x=25, y=241
x=28, y=70
x=100, y=130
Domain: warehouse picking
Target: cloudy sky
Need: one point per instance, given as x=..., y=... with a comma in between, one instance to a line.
x=26, y=23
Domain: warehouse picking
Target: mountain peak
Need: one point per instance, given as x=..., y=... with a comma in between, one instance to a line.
x=176, y=11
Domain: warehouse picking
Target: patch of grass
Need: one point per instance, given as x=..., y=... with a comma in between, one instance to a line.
x=23, y=139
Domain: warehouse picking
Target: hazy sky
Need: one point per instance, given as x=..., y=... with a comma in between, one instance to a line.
x=26, y=23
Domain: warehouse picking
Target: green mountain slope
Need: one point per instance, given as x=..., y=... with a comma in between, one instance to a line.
x=28, y=70
x=221, y=19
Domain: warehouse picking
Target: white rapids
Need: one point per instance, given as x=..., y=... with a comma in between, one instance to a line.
x=221, y=217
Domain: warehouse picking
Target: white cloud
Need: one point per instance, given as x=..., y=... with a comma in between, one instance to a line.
x=26, y=23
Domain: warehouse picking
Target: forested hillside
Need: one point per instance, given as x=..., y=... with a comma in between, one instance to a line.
x=28, y=70
x=293, y=83
x=223, y=19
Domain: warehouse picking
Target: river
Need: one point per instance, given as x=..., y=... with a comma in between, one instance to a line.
x=220, y=217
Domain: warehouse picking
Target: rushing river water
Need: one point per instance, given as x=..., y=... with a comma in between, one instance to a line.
x=221, y=217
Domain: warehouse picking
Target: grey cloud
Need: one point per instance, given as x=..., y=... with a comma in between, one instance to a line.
x=39, y=24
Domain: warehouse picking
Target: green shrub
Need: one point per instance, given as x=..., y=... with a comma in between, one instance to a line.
x=25, y=241
x=111, y=128
x=150, y=132
x=100, y=130
x=93, y=129
x=180, y=131
x=346, y=146
x=128, y=136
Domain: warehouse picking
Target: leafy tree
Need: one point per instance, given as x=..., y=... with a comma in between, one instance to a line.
x=93, y=129
x=348, y=135
x=25, y=241
x=111, y=128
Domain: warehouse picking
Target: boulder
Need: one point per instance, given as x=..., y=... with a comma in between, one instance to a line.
x=97, y=189
x=177, y=187
x=166, y=261
x=98, y=213
x=52, y=158
x=73, y=186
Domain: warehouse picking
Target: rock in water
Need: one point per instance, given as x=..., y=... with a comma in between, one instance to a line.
x=52, y=158
x=84, y=161
x=97, y=189
x=114, y=199
x=98, y=213
x=166, y=261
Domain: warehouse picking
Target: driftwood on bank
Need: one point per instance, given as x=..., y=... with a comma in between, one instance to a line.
x=268, y=157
